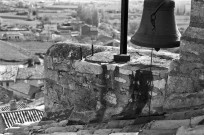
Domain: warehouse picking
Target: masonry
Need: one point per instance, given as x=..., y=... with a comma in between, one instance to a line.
x=100, y=89
x=186, y=74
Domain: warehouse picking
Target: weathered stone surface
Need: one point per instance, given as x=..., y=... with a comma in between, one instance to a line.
x=17, y=131
x=120, y=123
x=55, y=129
x=63, y=123
x=71, y=51
x=185, y=114
x=193, y=34
x=178, y=84
x=45, y=122
x=85, y=132
x=168, y=124
x=123, y=134
x=104, y=89
x=86, y=67
x=64, y=133
x=185, y=130
x=157, y=132
x=102, y=57
x=187, y=100
x=160, y=84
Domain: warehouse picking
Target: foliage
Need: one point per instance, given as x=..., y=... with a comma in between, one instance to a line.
x=45, y=20
x=88, y=14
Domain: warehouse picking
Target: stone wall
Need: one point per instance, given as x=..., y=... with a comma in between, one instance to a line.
x=99, y=89
x=186, y=75
x=6, y=95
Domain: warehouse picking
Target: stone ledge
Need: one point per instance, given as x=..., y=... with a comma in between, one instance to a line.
x=87, y=67
x=184, y=100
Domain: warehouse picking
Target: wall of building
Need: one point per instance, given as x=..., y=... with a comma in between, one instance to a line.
x=5, y=95
x=6, y=83
x=186, y=75
x=99, y=89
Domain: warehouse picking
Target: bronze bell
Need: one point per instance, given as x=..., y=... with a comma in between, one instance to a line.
x=158, y=27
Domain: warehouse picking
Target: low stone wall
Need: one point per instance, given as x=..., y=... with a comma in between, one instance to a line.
x=98, y=88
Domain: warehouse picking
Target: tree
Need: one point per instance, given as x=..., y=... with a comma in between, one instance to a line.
x=45, y=20
x=95, y=17
x=88, y=14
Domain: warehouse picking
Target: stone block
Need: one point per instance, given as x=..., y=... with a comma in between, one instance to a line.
x=188, y=67
x=62, y=66
x=63, y=123
x=185, y=114
x=120, y=123
x=174, y=66
x=178, y=84
x=48, y=62
x=85, y=132
x=185, y=100
x=123, y=133
x=160, y=84
x=195, y=35
x=103, y=132
x=111, y=98
x=64, y=133
x=185, y=130
x=55, y=129
x=157, y=132
x=168, y=124
x=52, y=75
x=87, y=67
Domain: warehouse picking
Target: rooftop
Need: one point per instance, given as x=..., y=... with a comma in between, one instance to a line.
x=8, y=73
x=31, y=73
x=22, y=116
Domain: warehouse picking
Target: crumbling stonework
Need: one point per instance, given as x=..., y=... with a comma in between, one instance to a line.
x=98, y=88
x=185, y=81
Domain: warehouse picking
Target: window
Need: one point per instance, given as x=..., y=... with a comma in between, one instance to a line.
x=7, y=84
x=1, y=83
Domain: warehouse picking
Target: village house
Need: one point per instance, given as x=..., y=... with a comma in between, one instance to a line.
x=50, y=27
x=14, y=105
x=29, y=35
x=74, y=23
x=24, y=90
x=33, y=75
x=87, y=30
x=24, y=82
x=45, y=36
x=13, y=36
x=8, y=75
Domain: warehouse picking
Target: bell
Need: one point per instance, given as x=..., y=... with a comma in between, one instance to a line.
x=158, y=27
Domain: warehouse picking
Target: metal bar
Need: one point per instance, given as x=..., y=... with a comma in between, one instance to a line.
x=124, y=25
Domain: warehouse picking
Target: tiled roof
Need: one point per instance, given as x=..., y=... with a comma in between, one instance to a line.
x=19, y=105
x=8, y=52
x=22, y=116
x=31, y=73
x=8, y=73
x=23, y=88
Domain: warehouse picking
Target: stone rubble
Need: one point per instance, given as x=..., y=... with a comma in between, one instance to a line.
x=167, y=126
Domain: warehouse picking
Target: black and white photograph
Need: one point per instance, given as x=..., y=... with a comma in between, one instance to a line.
x=101, y=67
